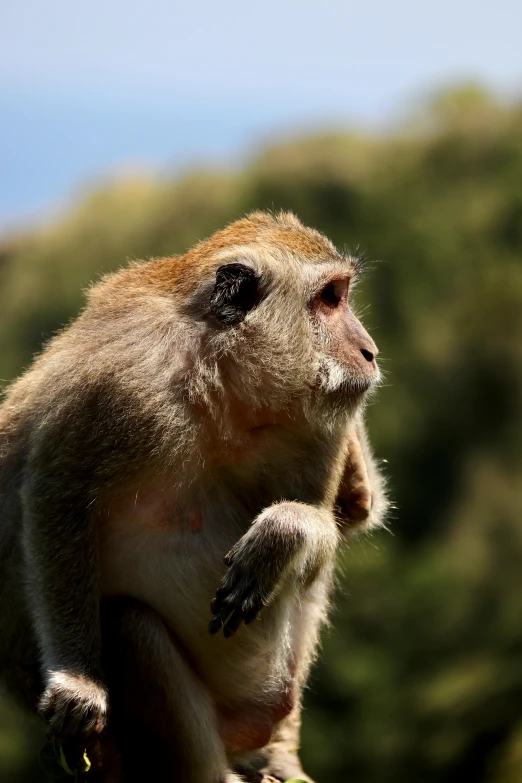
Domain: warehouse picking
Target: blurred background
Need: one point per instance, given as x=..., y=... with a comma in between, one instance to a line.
x=131, y=130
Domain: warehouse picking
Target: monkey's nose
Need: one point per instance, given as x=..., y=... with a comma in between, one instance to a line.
x=368, y=355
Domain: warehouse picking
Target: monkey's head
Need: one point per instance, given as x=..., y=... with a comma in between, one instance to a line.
x=274, y=316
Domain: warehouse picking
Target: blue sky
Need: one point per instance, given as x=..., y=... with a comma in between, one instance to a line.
x=89, y=89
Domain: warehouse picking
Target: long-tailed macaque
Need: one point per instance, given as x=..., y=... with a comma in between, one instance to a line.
x=176, y=470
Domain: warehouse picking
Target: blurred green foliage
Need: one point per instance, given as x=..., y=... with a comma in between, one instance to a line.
x=420, y=678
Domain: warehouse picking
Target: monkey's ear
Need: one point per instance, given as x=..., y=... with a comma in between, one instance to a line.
x=234, y=294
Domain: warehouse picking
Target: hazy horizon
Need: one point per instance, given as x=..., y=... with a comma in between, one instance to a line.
x=86, y=91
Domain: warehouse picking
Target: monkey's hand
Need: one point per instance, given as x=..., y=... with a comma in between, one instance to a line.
x=73, y=705
x=288, y=541
x=361, y=499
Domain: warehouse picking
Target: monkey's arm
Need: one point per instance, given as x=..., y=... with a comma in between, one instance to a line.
x=61, y=554
x=287, y=541
x=361, y=500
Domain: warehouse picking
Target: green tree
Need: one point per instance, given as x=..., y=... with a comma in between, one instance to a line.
x=421, y=675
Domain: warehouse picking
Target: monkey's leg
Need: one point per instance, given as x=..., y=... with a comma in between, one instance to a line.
x=288, y=541
x=280, y=757
x=163, y=719
x=61, y=556
x=278, y=761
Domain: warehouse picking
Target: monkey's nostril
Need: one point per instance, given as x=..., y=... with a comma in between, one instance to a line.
x=368, y=355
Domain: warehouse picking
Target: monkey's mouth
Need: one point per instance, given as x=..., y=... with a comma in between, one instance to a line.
x=350, y=392
x=335, y=379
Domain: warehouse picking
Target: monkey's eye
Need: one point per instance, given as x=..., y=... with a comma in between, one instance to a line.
x=334, y=293
x=235, y=293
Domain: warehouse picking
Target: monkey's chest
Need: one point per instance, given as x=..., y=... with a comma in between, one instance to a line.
x=171, y=558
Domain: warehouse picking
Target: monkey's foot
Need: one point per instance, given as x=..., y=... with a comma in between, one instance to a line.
x=73, y=705
x=251, y=775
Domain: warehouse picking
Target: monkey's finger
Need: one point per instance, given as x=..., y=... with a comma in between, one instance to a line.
x=217, y=602
x=215, y=625
x=229, y=557
x=233, y=623
x=226, y=607
x=228, y=595
x=249, y=615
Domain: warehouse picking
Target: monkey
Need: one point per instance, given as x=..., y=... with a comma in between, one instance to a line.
x=178, y=468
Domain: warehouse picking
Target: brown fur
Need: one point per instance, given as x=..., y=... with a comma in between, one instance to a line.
x=149, y=439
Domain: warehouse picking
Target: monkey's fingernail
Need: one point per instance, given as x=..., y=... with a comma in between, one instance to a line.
x=250, y=617
x=233, y=623
x=215, y=625
x=228, y=632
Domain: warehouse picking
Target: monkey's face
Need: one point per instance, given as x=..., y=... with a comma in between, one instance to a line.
x=346, y=350
x=285, y=330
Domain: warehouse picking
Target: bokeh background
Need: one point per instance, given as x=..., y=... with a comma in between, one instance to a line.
x=131, y=130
